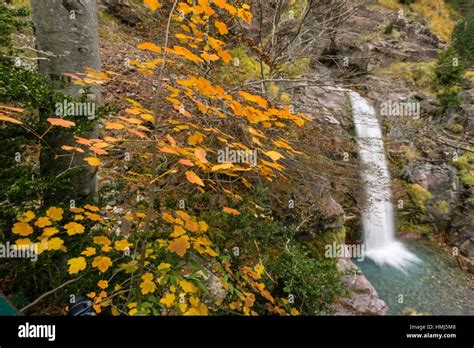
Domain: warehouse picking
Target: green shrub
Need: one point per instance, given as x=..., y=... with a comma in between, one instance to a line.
x=463, y=39
x=314, y=283
x=449, y=76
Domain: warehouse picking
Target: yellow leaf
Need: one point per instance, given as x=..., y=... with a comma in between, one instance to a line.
x=91, y=208
x=274, y=155
x=43, y=222
x=22, y=228
x=209, y=57
x=76, y=265
x=196, y=138
x=94, y=161
x=26, y=217
x=115, y=312
x=178, y=231
x=226, y=57
x=89, y=251
x=168, y=300
x=149, y=46
x=259, y=268
x=60, y=122
x=162, y=266
x=231, y=211
x=23, y=241
x=192, y=226
x=179, y=246
x=50, y=231
x=193, y=178
x=187, y=287
x=147, y=286
x=148, y=117
x=294, y=311
x=102, y=240
x=55, y=244
x=186, y=53
x=122, y=245
x=102, y=263
x=152, y=4
x=203, y=226
x=221, y=27
x=245, y=15
x=73, y=228
x=222, y=167
x=93, y=217
x=168, y=218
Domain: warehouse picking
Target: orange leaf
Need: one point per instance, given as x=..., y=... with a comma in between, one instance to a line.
x=137, y=133
x=71, y=148
x=193, y=178
x=83, y=141
x=201, y=155
x=221, y=27
x=60, y=122
x=255, y=99
x=231, y=211
x=152, y=4
x=9, y=119
x=186, y=162
x=149, y=46
x=114, y=125
x=179, y=245
x=224, y=55
x=186, y=53
x=11, y=108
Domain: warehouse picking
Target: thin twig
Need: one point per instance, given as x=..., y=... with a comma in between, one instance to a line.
x=49, y=293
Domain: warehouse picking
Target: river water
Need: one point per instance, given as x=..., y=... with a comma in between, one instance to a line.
x=436, y=285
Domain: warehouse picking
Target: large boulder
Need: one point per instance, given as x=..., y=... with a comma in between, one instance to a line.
x=363, y=299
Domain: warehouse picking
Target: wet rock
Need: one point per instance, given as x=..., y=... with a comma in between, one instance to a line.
x=409, y=235
x=329, y=103
x=363, y=298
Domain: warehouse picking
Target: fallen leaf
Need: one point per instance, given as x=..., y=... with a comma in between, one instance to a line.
x=193, y=178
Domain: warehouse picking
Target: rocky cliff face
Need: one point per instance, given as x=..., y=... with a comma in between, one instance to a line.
x=389, y=56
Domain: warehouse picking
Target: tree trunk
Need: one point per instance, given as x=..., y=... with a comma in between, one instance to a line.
x=67, y=30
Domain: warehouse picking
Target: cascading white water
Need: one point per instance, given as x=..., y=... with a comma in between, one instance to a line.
x=377, y=217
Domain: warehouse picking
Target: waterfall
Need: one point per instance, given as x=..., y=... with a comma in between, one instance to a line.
x=378, y=216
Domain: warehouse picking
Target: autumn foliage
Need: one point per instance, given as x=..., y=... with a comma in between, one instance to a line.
x=163, y=265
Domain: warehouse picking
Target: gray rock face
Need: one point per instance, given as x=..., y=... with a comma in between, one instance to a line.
x=325, y=214
x=363, y=298
x=439, y=179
